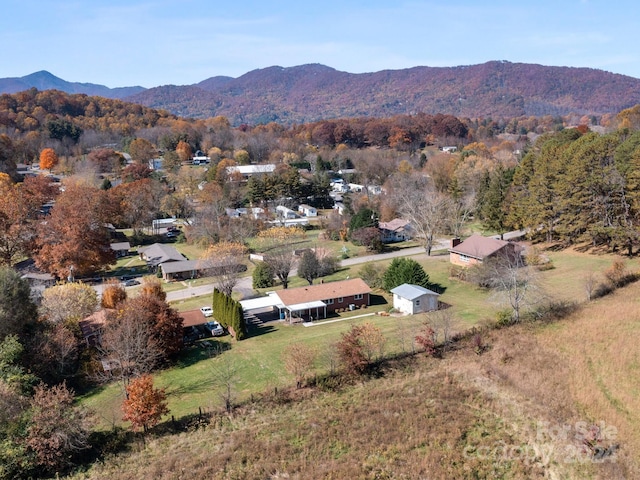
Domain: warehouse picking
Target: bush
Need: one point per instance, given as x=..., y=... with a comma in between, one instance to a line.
x=504, y=318
x=372, y=274
x=263, y=276
x=404, y=270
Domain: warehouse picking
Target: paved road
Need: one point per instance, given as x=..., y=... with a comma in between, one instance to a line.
x=245, y=284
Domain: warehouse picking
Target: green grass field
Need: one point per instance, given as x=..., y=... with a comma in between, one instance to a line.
x=191, y=384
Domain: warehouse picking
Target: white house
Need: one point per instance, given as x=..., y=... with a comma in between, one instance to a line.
x=411, y=299
x=307, y=210
x=247, y=171
x=285, y=212
x=397, y=230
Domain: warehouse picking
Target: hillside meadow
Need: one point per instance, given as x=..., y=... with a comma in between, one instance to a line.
x=522, y=409
x=191, y=384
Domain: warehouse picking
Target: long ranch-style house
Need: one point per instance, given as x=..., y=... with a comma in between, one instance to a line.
x=314, y=301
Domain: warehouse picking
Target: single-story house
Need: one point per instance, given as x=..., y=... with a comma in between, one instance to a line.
x=248, y=171
x=318, y=300
x=158, y=254
x=476, y=249
x=91, y=327
x=307, y=210
x=449, y=149
x=121, y=249
x=412, y=299
x=339, y=207
x=397, y=230
x=182, y=269
x=255, y=212
x=314, y=301
x=285, y=212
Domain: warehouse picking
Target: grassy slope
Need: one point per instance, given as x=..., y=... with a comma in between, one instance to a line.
x=259, y=358
x=437, y=419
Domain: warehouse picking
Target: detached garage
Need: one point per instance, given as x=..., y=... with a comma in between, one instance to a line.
x=411, y=299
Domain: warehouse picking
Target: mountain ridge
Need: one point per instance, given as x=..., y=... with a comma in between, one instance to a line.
x=313, y=92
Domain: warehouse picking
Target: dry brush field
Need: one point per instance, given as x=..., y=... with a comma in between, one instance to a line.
x=521, y=409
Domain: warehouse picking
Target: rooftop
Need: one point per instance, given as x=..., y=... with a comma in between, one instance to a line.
x=323, y=291
x=477, y=246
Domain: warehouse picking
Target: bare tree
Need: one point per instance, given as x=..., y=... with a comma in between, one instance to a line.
x=278, y=245
x=299, y=359
x=513, y=283
x=225, y=377
x=441, y=321
x=330, y=357
x=225, y=262
x=128, y=345
x=590, y=284
x=419, y=202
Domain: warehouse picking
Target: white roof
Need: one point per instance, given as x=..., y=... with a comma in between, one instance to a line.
x=411, y=292
x=306, y=305
x=261, y=302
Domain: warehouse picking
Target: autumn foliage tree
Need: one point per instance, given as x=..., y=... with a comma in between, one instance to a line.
x=359, y=347
x=112, y=294
x=75, y=238
x=144, y=405
x=68, y=301
x=48, y=159
x=58, y=429
x=20, y=205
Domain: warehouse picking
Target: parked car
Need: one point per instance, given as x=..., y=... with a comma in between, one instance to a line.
x=207, y=311
x=215, y=328
x=171, y=234
x=131, y=283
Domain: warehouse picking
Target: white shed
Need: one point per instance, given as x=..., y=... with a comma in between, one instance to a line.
x=411, y=299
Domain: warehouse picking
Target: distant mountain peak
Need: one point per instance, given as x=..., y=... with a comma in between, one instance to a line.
x=314, y=91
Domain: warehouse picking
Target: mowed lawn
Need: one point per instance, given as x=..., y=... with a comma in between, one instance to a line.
x=257, y=361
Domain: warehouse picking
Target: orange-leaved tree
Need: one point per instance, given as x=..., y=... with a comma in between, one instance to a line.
x=48, y=159
x=144, y=405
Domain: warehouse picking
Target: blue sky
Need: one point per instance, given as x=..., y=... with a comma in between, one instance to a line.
x=157, y=42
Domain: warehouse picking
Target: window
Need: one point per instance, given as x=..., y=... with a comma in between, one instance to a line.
x=357, y=296
x=329, y=302
x=417, y=303
x=340, y=299
x=464, y=258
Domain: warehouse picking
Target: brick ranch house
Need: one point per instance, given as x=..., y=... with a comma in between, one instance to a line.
x=476, y=249
x=314, y=301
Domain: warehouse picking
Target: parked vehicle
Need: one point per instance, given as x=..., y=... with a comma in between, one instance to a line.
x=215, y=328
x=131, y=283
x=207, y=311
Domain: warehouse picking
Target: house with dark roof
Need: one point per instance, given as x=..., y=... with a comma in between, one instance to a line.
x=397, y=230
x=121, y=248
x=412, y=299
x=158, y=254
x=477, y=249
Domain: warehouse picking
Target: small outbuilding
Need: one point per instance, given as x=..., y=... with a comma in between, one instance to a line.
x=412, y=299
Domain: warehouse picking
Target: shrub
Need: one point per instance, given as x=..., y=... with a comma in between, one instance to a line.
x=262, y=276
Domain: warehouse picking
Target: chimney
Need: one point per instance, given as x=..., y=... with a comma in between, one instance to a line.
x=455, y=242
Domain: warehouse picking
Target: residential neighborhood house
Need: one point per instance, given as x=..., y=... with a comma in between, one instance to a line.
x=307, y=210
x=314, y=301
x=476, y=249
x=397, y=230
